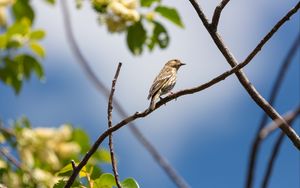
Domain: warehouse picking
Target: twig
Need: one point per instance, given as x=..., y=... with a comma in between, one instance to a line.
x=73, y=164
x=109, y=118
x=164, y=164
x=273, y=95
x=267, y=130
x=11, y=158
x=146, y=112
x=217, y=14
x=255, y=95
x=289, y=118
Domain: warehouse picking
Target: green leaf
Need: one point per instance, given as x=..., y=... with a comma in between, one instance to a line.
x=37, y=35
x=30, y=64
x=136, y=37
x=105, y=181
x=81, y=138
x=60, y=184
x=65, y=170
x=21, y=9
x=148, y=3
x=129, y=183
x=103, y=155
x=37, y=48
x=21, y=27
x=171, y=14
x=160, y=36
x=96, y=173
x=68, y=169
x=3, y=41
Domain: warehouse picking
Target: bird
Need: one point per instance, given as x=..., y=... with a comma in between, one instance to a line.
x=164, y=82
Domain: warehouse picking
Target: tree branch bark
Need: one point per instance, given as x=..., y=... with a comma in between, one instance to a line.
x=217, y=14
x=275, y=151
x=255, y=95
x=255, y=147
x=109, y=118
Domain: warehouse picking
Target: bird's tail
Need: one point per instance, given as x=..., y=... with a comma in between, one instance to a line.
x=153, y=101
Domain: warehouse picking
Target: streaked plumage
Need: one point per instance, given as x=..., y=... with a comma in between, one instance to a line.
x=165, y=81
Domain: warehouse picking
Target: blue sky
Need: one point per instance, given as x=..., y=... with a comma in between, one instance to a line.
x=205, y=136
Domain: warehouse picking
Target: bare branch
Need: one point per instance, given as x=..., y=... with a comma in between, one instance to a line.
x=272, y=32
x=255, y=95
x=289, y=118
x=10, y=158
x=109, y=118
x=164, y=164
x=266, y=131
x=146, y=112
x=273, y=95
x=217, y=14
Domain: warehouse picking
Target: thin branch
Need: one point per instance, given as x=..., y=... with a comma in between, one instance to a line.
x=289, y=118
x=255, y=95
x=146, y=112
x=273, y=95
x=109, y=118
x=267, y=130
x=272, y=32
x=164, y=164
x=217, y=14
x=10, y=158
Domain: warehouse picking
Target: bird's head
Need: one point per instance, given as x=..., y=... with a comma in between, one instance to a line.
x=174, y=63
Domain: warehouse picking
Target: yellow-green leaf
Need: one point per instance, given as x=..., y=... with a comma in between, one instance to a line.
x=38, y=49
x=37, y=34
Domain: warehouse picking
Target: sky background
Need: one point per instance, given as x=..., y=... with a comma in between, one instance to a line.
x=205, y=136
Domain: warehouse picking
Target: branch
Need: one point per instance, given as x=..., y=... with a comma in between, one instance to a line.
x=164, y=164
x=146, y=112
x=275, y=124
x=11, y=158
x=255, y=95
x=273, y=95
x=217, y=14
x=109, y=118
x=289, y=118
x=272, y=32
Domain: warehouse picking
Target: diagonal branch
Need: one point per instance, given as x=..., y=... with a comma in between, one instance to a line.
x=109, y=118
x=11, y=158
x=289, y=118
x=255, y=147
x=146, y=112
x=163, y=162
x=266, y=131
x=217, y=14
x=254, y=94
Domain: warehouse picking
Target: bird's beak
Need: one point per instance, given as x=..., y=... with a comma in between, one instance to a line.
x=181, y=64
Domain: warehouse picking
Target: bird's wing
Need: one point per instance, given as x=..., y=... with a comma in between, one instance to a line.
x=159, y=81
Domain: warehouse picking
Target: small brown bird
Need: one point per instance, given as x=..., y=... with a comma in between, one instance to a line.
x=165, y=81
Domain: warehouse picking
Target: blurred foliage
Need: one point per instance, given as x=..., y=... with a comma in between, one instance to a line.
x=45, y=155
x=21, y=51
x=139, y=20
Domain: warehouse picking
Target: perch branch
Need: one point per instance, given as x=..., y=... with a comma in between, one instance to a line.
x=289, y=118
x=255, y=147
x=161, y=161
x=217, y=14
x=109, y=118
x=146, y=112
x=255, y=95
